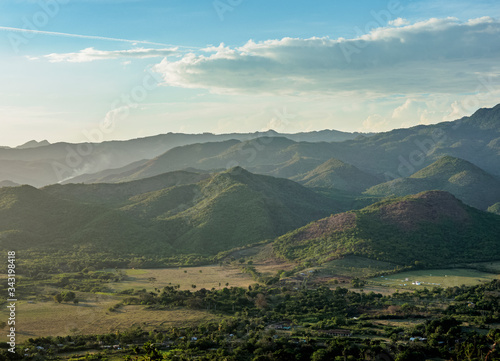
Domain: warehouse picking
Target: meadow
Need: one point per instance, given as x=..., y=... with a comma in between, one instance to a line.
x=448, y=277
x=92, y=315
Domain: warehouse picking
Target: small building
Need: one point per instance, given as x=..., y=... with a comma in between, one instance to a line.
x=338, y=332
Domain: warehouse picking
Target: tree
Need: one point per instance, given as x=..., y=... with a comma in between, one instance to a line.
x=68, y=296
x=260, y=301
x=320, y=355
x=58, y=298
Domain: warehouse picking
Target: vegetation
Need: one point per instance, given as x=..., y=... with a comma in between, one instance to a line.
x=223, y=211
x=339, y=175
x=464, y=180
x=495, y=208
x=282, y=323
x=248, y=278
x=429, y=229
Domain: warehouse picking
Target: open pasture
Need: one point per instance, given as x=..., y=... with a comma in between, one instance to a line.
x=449, y=277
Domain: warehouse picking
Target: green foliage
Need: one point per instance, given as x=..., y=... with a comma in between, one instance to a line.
x=461, y=178
x=339, y=175
x=425, y=228
x=495, y=208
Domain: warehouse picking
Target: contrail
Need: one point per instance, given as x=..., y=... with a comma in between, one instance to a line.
x=54, y=33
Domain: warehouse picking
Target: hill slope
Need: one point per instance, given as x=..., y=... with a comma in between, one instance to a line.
x=337, y=174
x=459, y=177
x=229, y=209
x=178, y=212
x=40, y=164
x=7, y=183
x=390, y=155
x=34, y=219
x=432, y=228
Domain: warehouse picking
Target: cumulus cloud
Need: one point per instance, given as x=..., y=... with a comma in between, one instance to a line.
x=91, y=54
x=375, y=123
x=399, y=22
x=436, y=55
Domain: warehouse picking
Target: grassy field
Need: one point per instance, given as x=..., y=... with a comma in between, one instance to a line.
x=354, y=266
x=92, y=314
x=49, y=318
x=203, y=277
x=433, y=278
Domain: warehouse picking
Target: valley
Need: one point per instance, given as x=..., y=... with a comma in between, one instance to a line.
x=303, y=248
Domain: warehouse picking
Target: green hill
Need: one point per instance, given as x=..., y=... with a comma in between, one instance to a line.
x=178, y=212
x=461, y=178
x=289, y=169
x=337, y=174
x=120, y=193
x=431, y=228
x=32, y=218
x=229, y=209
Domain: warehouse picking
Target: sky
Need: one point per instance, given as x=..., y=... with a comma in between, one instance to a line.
x=95, y=70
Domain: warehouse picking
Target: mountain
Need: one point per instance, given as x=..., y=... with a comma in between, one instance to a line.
x=230, y=209
x=7, y=183
x=428, y=229
x=104, y=176
x=40, y=163
x=390, y=155
x=463, y=179
x=34, y=219
x=120, y=193
x=33, y=144
x=177, y=212
x=290, y=168
x=337, y=174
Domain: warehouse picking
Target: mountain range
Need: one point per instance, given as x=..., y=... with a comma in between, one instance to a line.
x=386, y=156
x=203, y=194
x=41, y=163
x=466, y=181
x=186, y=211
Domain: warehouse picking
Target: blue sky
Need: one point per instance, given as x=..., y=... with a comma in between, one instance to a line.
x=90, y=70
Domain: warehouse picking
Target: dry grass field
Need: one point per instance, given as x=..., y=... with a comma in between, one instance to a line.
x=203, y=277
x=91, y=316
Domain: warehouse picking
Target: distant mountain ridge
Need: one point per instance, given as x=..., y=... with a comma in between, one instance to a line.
x=40, y=164
x=463, y=179
x=395, y=154
x=339, y=175
x=33, y=144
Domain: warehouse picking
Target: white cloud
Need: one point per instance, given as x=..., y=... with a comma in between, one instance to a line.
x=375, y=123
x=437, y=55
x=399, y=22
x=91, y=54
